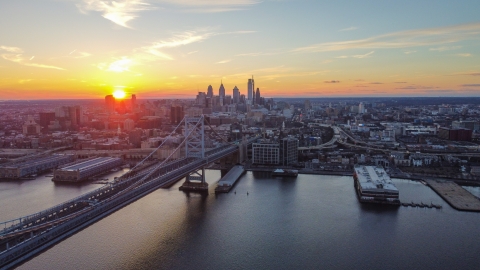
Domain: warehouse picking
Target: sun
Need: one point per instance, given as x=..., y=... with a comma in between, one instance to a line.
x=119, y=94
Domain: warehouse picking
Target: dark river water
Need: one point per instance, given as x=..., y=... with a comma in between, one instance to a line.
x=311, y=222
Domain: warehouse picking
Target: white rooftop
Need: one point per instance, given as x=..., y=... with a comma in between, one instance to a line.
x=374, y=178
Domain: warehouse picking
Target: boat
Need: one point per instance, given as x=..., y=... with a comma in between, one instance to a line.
x=373, y=185
x=285, y=172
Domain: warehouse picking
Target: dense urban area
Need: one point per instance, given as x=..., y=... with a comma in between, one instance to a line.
x=408, y=136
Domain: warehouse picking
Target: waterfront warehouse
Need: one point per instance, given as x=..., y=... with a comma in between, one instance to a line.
x=33, y=166
x=373, y=185
x=85, y=169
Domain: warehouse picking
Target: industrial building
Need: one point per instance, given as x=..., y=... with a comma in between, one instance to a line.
x=460, y=134
x=85, y=169
x=33, y=166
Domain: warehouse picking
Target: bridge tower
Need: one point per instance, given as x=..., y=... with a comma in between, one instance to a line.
x=195, y=148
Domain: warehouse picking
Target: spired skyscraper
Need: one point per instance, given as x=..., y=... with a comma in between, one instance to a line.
x=251, y=89
x=221, y=94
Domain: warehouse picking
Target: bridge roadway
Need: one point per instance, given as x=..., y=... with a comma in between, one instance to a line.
x=23, y=238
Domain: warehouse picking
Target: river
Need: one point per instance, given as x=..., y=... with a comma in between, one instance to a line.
x=311, y=222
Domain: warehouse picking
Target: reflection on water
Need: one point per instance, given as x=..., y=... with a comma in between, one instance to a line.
x=311, y=222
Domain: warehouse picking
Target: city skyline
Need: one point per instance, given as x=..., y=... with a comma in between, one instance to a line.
x=172, y=49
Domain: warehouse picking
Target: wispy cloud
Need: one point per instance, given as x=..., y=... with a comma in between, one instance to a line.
x=15, y=54
x=472, y=73
x=445, y=48
x=400, y=82
x=119, y=12
x=471, y=85
x=118, y=66
x=333, y=81
x=464, y=54
x=349, y=29
x=376, y=83
x=403, y=39
x=224, y=61
x=358, y=56
x=180, y=39
x=159, y=50
x=11, y=49
x=79, y=54
x=211, y=6
x=409, y=52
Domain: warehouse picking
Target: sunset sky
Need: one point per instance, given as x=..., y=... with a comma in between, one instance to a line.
x=294, y=48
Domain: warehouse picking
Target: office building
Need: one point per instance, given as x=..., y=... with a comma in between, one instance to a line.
x=221, y=94
x=266, y=153
x=110, y=103
x=210, y=91
x=46, y=118
x=289, y=151
x=257, y=96
x=236, y=95
x=251, y=87
x=134, y=102
x=176, y=114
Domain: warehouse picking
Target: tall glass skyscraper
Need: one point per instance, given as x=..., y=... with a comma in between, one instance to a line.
x=251, y=89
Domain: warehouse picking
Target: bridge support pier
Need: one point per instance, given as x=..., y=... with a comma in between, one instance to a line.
x=195, y=181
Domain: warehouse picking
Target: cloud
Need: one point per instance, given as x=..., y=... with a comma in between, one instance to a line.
x=400, y=82
x=358, y=56
x=119, y=12
x=224, y=61
x=445, y=48
x=349, y=28
x=180, y=39
x=409, y=52
x=403, y=39
x=11, y=49
x=211, y=6
x=473, y=73
x=471, y=85
x=333, y=81
x=363, y=55
x=118, y=66
x=464, y=54
x=16, y=55
x=158, y=50
x=79, y=54
x=376, y=83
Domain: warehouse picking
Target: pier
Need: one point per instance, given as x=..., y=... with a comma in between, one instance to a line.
x=455, y=195
x=226, y=183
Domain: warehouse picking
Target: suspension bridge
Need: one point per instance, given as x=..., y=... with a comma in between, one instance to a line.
x=24, y=237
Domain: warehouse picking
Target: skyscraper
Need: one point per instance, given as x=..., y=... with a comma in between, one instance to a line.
x=221, y=94
x=257, y=96
x=251, y=87
x=236, y=95
x=110, y=103
x=134, y=102
x=210, y=91
x=221, y=91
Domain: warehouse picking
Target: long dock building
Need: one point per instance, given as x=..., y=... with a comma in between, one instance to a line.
x=85, y=169
x=33, y=166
